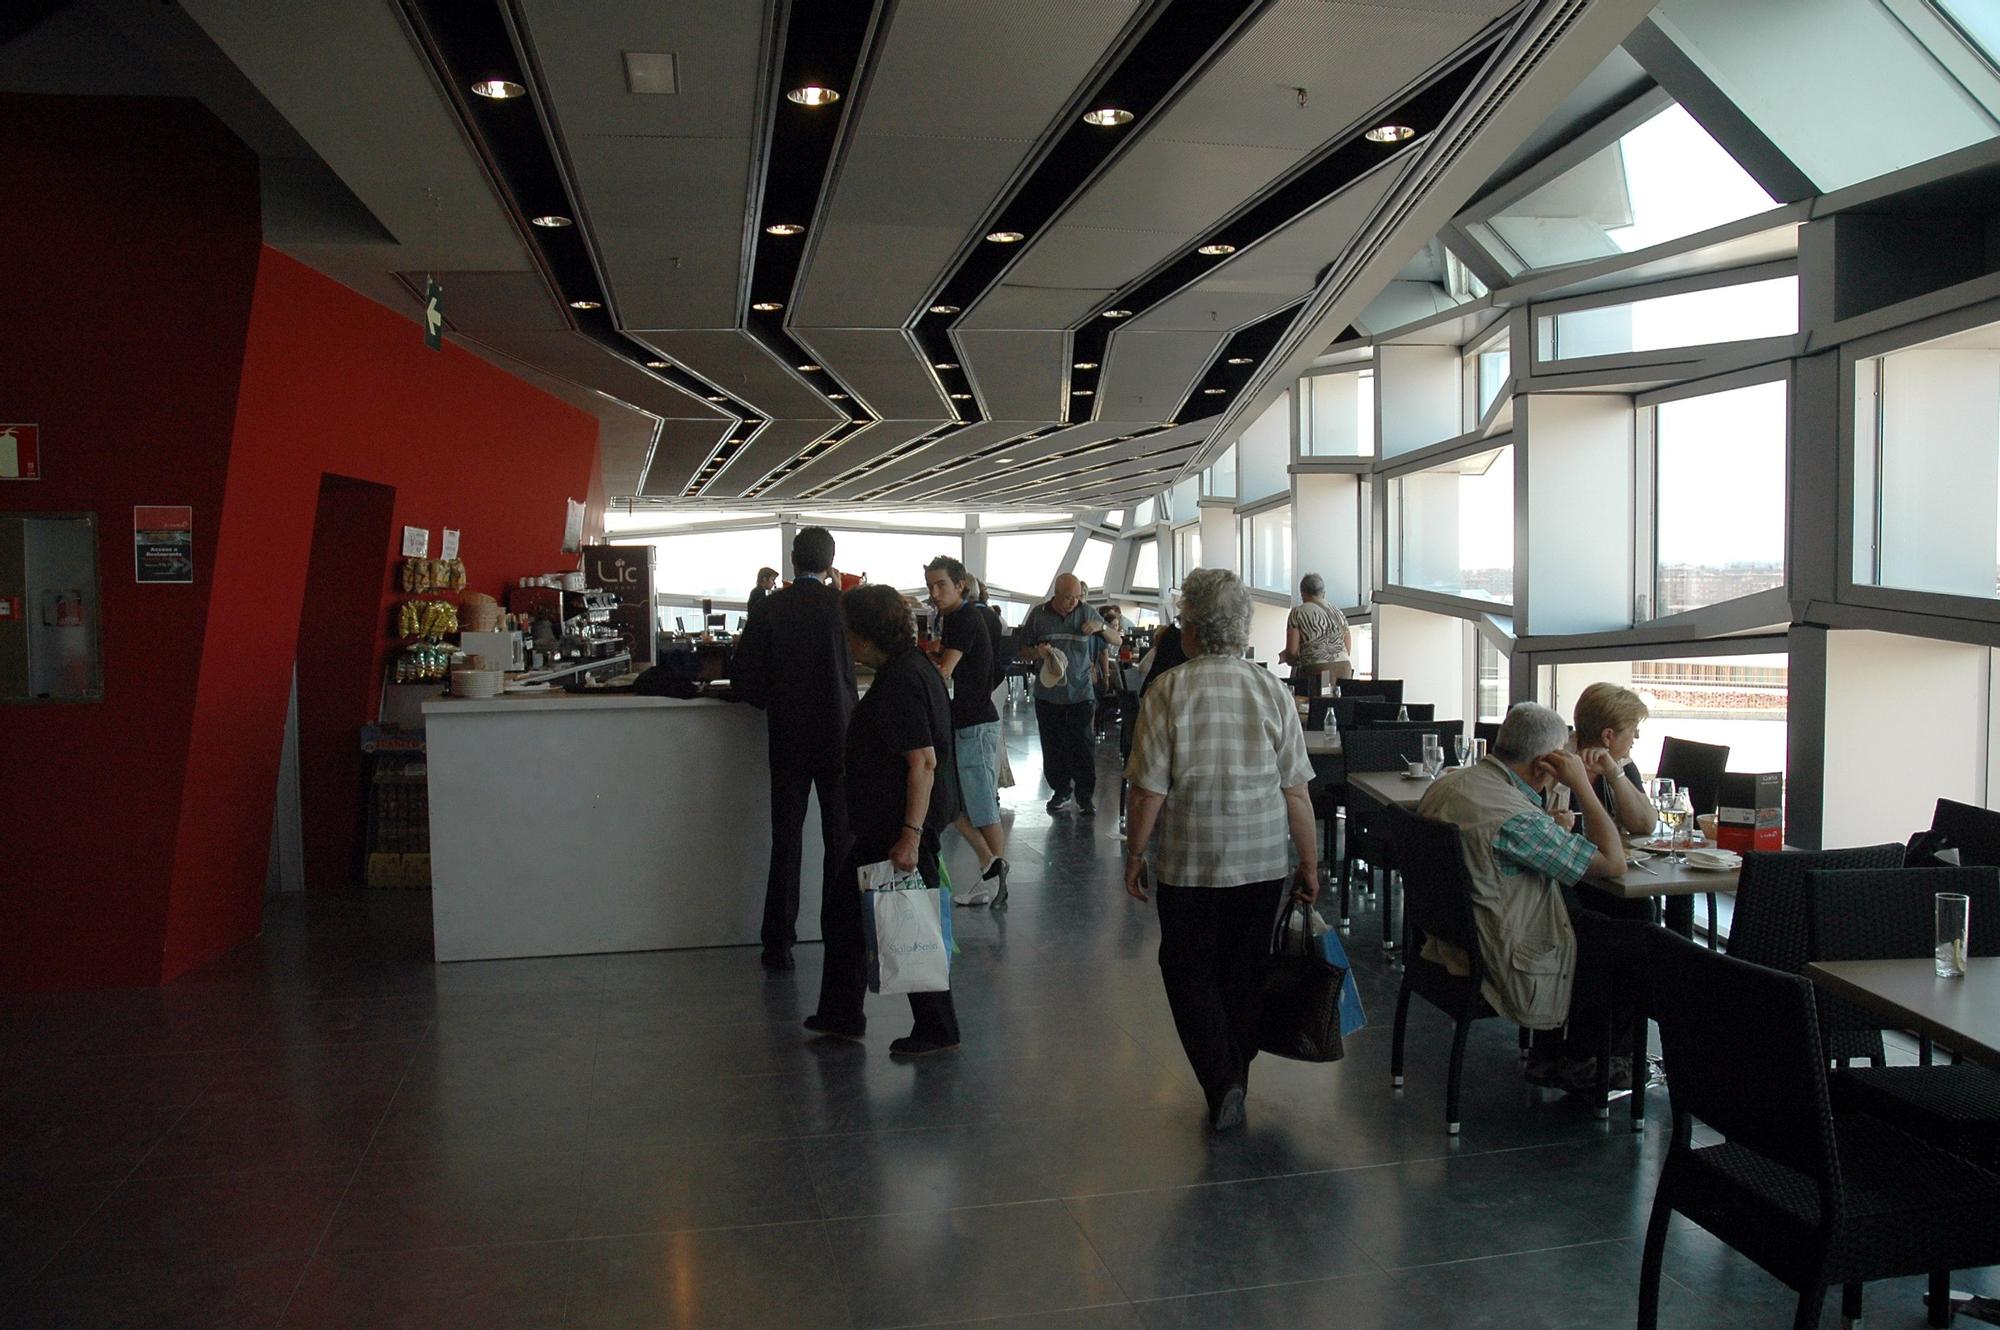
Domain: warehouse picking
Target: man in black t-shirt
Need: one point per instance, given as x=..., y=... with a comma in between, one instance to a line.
x=967, y=663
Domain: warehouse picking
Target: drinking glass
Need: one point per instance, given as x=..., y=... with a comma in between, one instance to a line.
x=1433, y=755
x=1954, y=929
x=1682, y=814
x=1478, y=750
x=1461, y=748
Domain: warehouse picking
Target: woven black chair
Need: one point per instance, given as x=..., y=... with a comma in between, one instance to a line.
x=1772, y=925
x=1886, y=915
x=1974, y=831
x=1389, y=690
x=1369, y=838
x=1489, y=730
x=1437, y=902
x=1815, y=1200
x=1696, y=768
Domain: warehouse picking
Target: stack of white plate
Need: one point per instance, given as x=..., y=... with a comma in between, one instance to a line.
x=477, y=683
x=1714, y=861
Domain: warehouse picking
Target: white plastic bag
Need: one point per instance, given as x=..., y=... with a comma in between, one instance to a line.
x=912, y=951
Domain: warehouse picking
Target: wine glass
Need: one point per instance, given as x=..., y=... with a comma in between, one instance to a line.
x=1683, y=824
x=1461, y=748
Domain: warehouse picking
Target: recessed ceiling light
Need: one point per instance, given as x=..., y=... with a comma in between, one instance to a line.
x=499, y=90
x=809, y=368
x=767, y=307
x=550, y=220
x=944, y=364
x=1085, y=364
x=961, y=397
x=784, y=229
x=836, y=397
x=944, y=309
x=1216, y=251
x=1214, y=392
x=1117, y=313
x=1390, y=134
x=586, y=304
x=1081, y=392
x=1107, y=115
x=812, y=94
x=717, y=397
x=1241, y=360
x=1005, y=237
x=656, y=364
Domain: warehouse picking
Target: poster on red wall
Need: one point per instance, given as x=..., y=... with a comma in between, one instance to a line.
x=162, y=543
x=20, y=452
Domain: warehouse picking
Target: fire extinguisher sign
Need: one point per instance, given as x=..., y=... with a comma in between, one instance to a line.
x=20, y=452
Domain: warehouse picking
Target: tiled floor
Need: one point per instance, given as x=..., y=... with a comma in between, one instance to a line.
x=326, y=1129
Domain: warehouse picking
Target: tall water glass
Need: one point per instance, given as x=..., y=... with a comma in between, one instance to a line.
x=1478, y=750
x=1954, y=931
x=1461, y=748
x=1433, y=755
x=1682, y=814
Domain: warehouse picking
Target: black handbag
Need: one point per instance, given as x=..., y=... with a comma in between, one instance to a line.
x=1301, y=1014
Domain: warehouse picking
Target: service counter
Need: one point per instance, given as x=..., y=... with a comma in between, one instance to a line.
x=565, y=824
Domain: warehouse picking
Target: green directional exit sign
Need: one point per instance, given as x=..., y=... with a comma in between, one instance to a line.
x=433, y=314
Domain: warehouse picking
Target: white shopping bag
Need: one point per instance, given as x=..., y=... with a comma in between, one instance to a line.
x=911, y=949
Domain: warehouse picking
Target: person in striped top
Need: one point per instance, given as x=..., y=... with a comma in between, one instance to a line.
x=1219, y=765
x=1316, y=640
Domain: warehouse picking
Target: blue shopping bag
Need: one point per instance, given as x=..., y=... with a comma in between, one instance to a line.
x=1352, y=1017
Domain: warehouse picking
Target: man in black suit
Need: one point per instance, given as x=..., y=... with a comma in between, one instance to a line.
x=793, y=663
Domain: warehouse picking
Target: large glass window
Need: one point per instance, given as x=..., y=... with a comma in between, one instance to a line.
x=1979, y=20
x=718, y=564
x=1361, y=647
x=1094, y=562
x=1719, y=491
x=893, y=557
x=664, y=519
x=1187, y=552
x=1693, y=318
x=996, y=521
x=1340, y=415
x=941, y=521
x=1735, y=700
x=1146, y=565
x=1028, y=561
x=1271, y=549
x=1143, y=514
x=1661, y=181
x=1490, y=375
x=1927, y=466
x=1451, y=527
x=1489, y=680
x=1221, y=475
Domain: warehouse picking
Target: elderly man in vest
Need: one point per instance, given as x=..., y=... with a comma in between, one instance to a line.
x=1546, y=959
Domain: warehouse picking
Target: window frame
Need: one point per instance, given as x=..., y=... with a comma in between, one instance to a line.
x=1753, y=349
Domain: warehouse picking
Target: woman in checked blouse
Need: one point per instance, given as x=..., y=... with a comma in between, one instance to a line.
x=1219, y=764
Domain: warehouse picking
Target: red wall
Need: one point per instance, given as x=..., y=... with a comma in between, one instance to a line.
x=137, y=846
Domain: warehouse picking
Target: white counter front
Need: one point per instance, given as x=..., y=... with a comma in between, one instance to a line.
x=571, y=824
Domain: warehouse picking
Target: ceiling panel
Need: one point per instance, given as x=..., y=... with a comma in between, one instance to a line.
x=881, y=366
x=738, y=365
x=1023, y=453
x=959, y=94
x=869, y=441
x=1016, y=375
x=684, y=445
x=1272, y=273
x=671, y=249
x=769, y=448
x=960, y=443
x=1147, y=371
x=1011, y=306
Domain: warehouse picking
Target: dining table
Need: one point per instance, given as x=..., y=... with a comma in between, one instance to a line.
x=1960, y=1014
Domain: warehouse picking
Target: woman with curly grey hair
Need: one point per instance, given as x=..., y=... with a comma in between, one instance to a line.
x=1219, y=763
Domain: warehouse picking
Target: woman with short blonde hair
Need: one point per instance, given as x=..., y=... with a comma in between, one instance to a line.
x=1607, y=725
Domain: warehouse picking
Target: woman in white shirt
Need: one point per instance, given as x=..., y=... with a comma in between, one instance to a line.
x=1219, y=761
x=1316, y=640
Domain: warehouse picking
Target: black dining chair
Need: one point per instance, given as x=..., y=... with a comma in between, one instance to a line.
x=1696, y=768
x=1888, y=914
x=1816, y=1199
x=1974, y=832
x=1368, y=836
x=1409, y=713
x=1437, y=903
x=1489, y=730
x=1387, y=690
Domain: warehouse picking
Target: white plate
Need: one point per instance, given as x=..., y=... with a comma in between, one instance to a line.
x=1407, y=776
x=1636, y=856
x=1705, y=864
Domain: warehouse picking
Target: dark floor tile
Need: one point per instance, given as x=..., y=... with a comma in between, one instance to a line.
x=932, y=1168
x=1117, y=1316
x=991, y=1261
x=84, y=1143
x=1161, y=1244
x=665, y=1188
x=747, y=1278
x=1571, y=1288
x=458, y=1201
x=524, y=1287
x=150, y=1225
x=651, y=1100
x=465, y=1095
x=1371, y=1301
x=244, y=1295
x=37, y=1219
